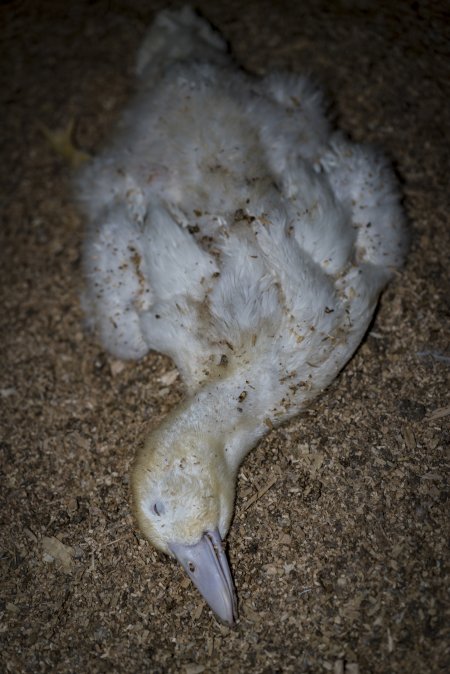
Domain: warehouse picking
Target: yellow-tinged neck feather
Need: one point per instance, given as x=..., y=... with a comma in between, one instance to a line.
x=183, y=480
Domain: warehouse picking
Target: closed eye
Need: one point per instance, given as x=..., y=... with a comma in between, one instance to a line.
x=158, y=508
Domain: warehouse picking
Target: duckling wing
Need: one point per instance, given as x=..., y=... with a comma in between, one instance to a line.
x=146, y=277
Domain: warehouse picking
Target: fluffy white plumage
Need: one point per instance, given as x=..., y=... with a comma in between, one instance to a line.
x=231, y=228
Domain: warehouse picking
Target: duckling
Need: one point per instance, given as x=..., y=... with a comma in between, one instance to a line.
x=231, y=228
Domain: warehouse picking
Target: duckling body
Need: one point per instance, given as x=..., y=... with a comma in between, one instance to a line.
x=233, y=230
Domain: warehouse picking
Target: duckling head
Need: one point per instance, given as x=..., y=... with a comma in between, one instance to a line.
x=183, y=494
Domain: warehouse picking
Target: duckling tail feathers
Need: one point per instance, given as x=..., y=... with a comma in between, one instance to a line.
x=176, y=36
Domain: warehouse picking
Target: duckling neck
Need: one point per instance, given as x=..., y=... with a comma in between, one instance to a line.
x=229, y=412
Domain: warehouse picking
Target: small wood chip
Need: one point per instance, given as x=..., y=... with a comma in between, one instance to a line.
x=210, y=646
x=439, y=413
x=390, y=641
x=116, y=367
x=316, y=463
x=196, y=613
x=352, y=668
x=168, y=378
x=409, y=438
x=285, y=539
x=12, y=608
x=250, y=613
x=7, y=392
x=54, y=550
x=29, y=534
x=194, y=669
x=260, y=493
x=338, y=667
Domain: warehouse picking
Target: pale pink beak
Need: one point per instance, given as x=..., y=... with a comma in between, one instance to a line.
x=206, y=565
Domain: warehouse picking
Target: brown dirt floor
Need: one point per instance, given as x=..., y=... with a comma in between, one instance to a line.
x=340, y=564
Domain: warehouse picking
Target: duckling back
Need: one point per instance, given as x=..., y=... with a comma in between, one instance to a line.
x=227, y=221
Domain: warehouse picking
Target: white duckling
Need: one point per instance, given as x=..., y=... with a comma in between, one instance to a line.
x=232, y=229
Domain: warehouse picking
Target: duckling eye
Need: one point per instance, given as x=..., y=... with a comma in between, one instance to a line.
x=158, y=508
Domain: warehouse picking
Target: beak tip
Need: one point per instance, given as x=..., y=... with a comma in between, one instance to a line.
x=206, y=565
x=225, y=614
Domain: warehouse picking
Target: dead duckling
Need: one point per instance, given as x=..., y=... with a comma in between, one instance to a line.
x=232, y=229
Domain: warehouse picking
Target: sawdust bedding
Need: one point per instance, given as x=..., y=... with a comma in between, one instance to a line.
x=338, y=542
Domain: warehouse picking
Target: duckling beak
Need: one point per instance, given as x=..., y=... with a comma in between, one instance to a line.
x=206, y=565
